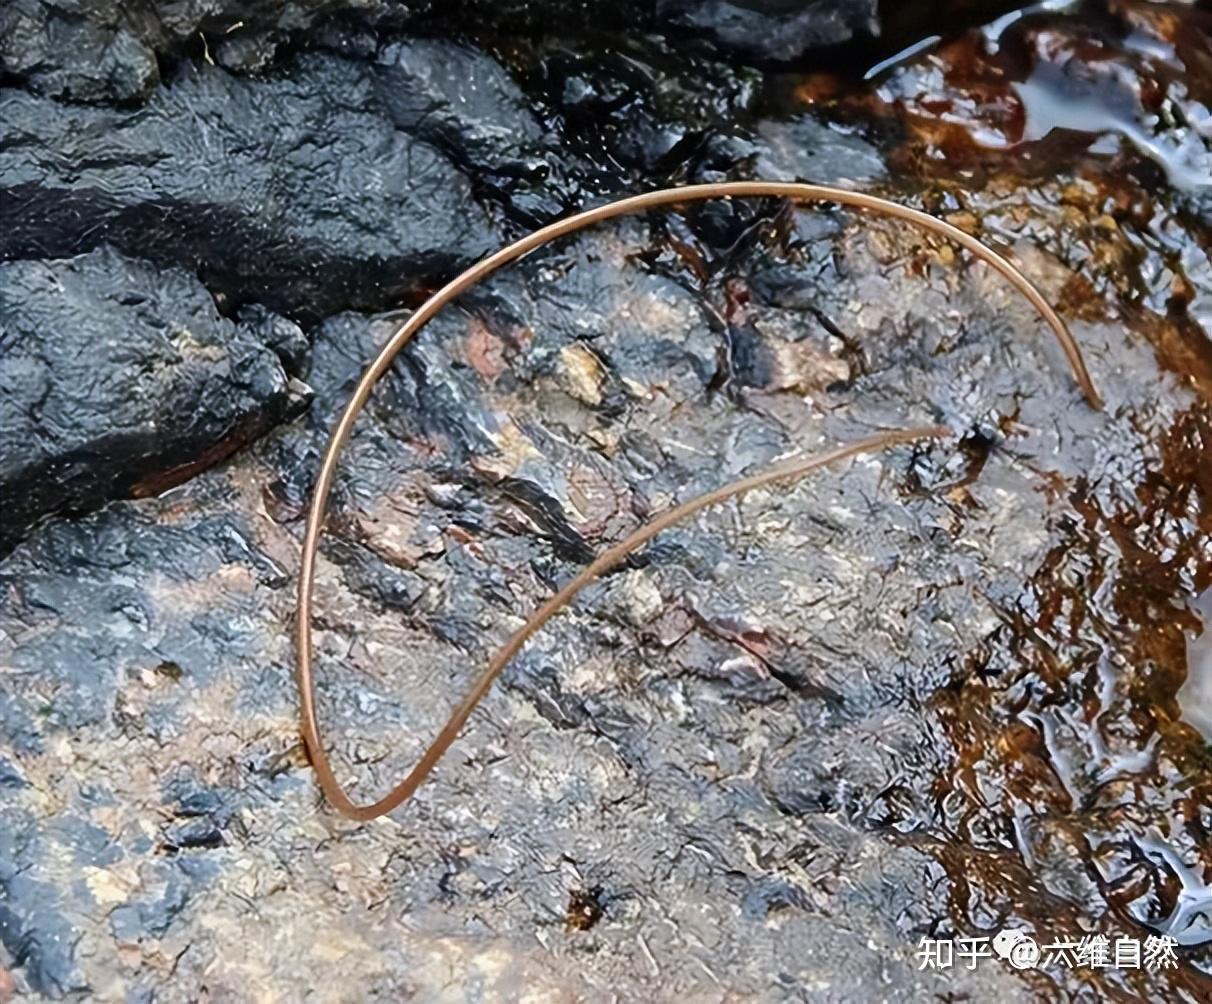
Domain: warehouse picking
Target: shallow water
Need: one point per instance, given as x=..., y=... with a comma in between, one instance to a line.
x=1079, y=756
x=1195, y=695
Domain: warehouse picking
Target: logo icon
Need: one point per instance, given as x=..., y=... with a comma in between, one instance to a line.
x=1017, y=947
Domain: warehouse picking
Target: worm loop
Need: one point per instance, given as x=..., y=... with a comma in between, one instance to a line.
x=794, y=191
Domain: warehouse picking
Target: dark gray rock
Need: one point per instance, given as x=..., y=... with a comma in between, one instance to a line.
x=33, y=930
x=811, y=777
x=103, y=51
x=44, y=950
x=772, y=30
x=89, y=50
x=10, y=776
x=150, y=918
x=463, y=101
x=193, y=834
x=805, y=149
x=297, y=192
x=460, y=99
x=118, y=378
x=632, y=104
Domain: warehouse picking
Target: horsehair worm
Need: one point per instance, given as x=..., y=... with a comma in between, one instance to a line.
x=612, y=556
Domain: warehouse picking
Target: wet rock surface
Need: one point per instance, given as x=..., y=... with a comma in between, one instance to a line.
x=772, y=30
x=297, y=192
x=118, y=378
x=107, y=51
x=939, y=692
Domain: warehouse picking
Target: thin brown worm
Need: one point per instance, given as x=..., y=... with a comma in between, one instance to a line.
x=618, y=552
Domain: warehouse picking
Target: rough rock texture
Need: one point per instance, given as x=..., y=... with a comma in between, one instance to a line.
x=297, y=192
x=465, y=103
x=772, y=30
x=118, y=379
x=933, y=693
x=111, y=51
x=100, y=51
x=115, y=52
